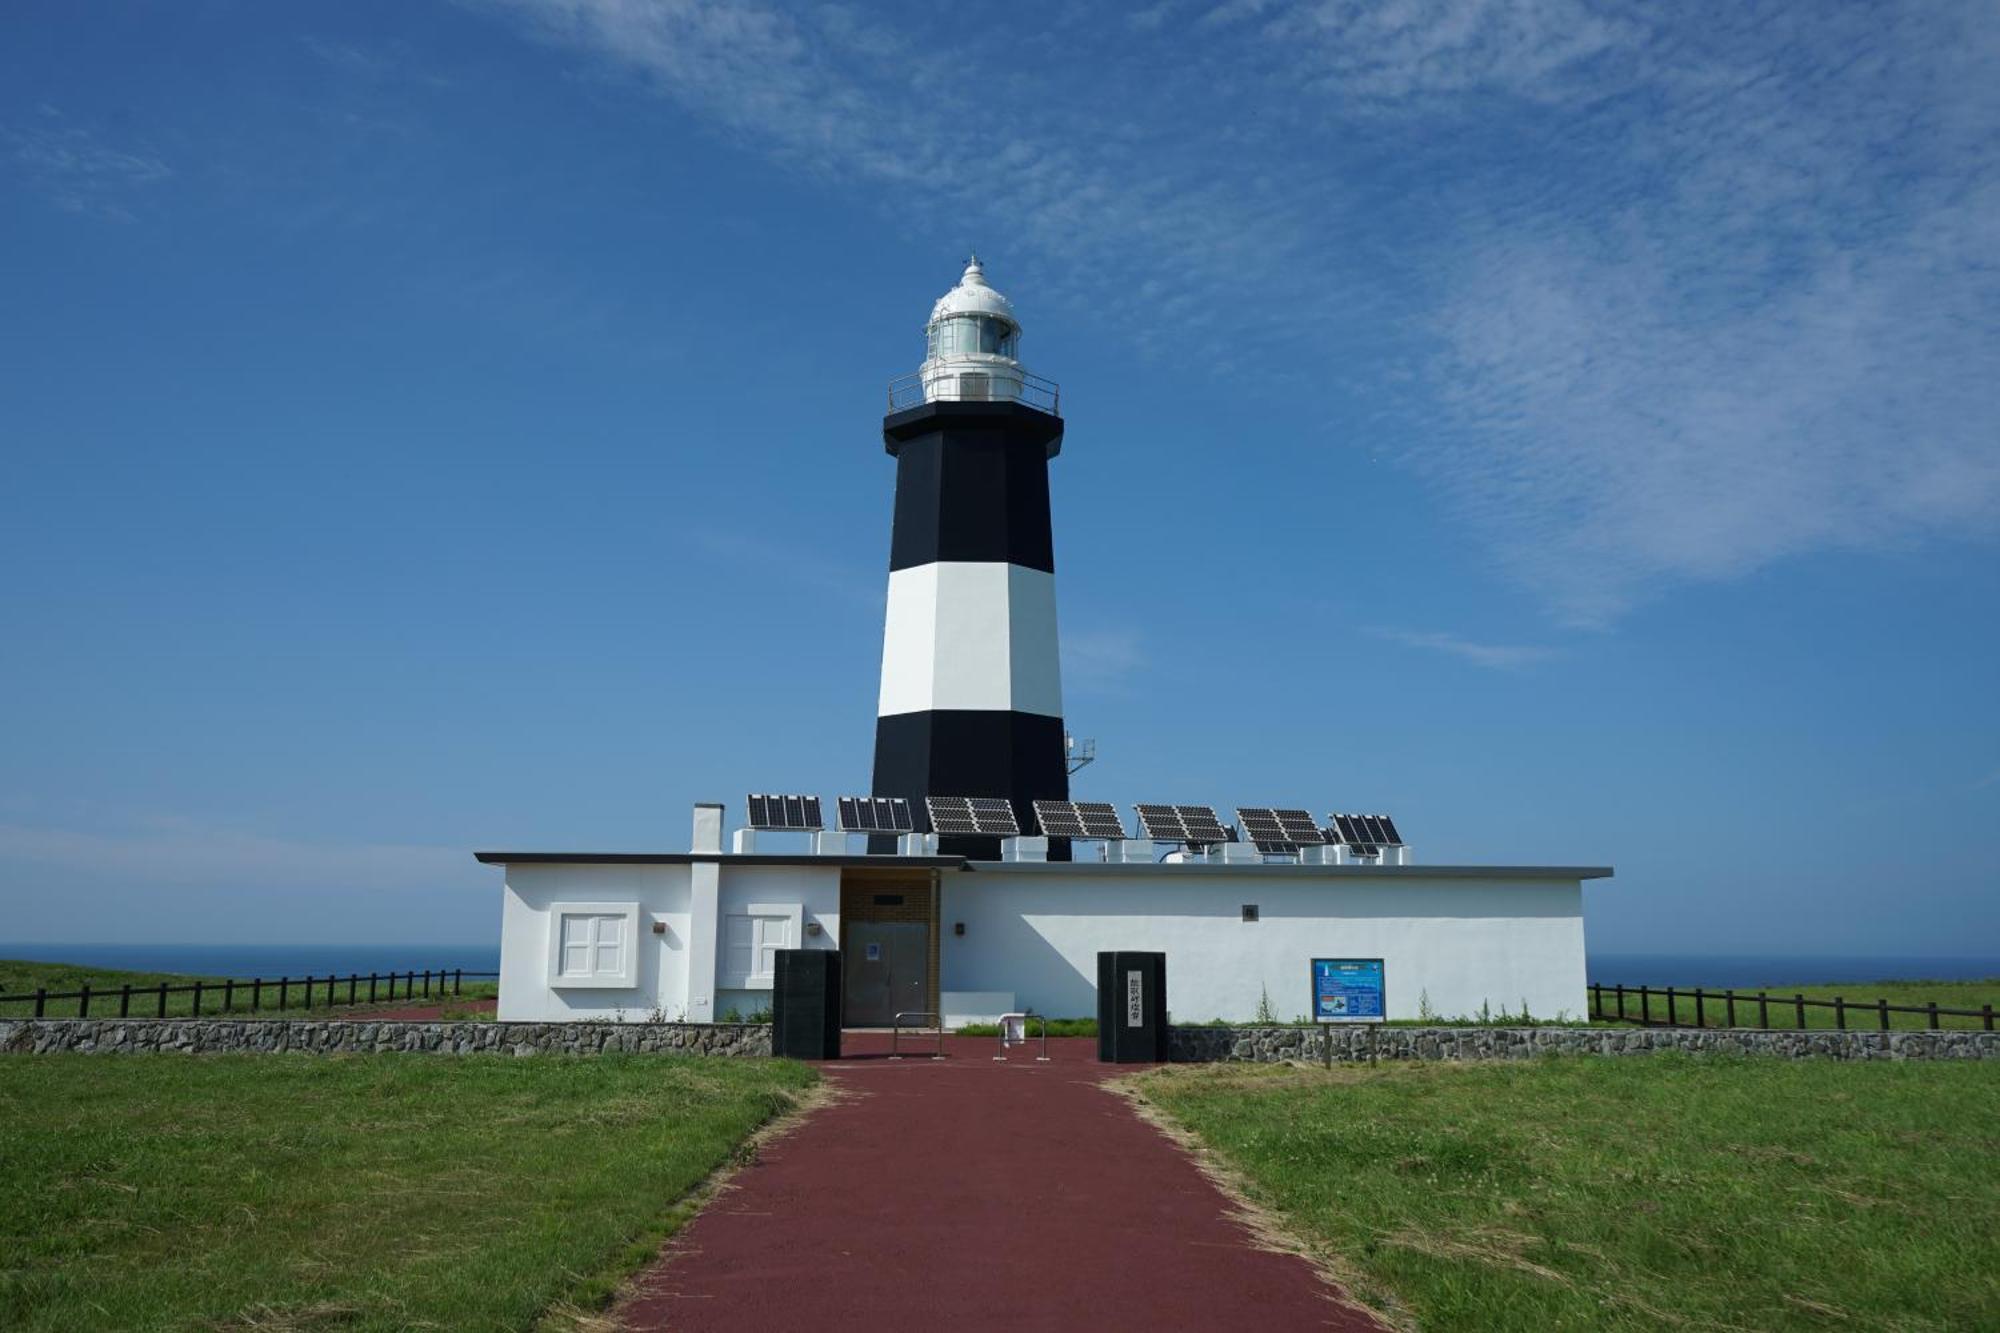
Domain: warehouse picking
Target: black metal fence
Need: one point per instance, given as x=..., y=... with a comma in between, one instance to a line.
x=252, y=996
x=1637, y=1004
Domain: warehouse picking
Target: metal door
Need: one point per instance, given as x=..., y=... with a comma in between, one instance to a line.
x=887, y=967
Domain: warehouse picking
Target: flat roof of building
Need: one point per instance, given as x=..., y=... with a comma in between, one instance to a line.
x=1168, y=868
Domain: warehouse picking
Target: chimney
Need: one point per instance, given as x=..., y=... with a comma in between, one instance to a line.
x=707, y=827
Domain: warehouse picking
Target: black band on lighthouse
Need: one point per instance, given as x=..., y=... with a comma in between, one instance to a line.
x=972, y=484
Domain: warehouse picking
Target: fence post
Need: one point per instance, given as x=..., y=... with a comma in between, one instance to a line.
x=163, y=999
x=1840, y=1012
x=427, y=983
x=228, y=993
x=371, y=988
x=353, y=980
x=42, y=1003
x=125, y=1000
x=1673, y=1009
x=1621, y=1001
x=83, y=1001
x=1987, y=1011
x=1646, y=1006
x=1763, y=1010
x=1934, y=1020
x=409, y=985
x=1700, y=1011
x=1800, y=1000
x=457, y=980
x=196, y=1010
x=1882, y=1008
x=256, y=993
x=1730, y=996
x=284, y=990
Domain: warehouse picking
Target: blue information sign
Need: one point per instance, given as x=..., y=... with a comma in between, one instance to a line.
x=1347, y=990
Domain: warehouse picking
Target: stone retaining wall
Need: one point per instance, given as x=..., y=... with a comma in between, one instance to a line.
x=334, y=1036
x=1277, y=1044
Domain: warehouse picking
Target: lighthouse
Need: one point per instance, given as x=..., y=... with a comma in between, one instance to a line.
x=971, y=697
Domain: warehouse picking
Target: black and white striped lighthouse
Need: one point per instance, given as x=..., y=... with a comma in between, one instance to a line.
x=971, y=700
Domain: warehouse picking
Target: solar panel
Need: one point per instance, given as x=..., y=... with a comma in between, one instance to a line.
x=990, y=815
x=875, y=814
x=1079, y=819
x=1195, y=825
x=1282, y=829
x=1364, y=833
x=794, y=813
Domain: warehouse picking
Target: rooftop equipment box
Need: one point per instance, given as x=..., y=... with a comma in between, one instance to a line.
x=805, y=1004
x=1132, y=1008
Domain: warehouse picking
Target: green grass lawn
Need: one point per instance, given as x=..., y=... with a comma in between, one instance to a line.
x=1663, y=1192
x=371, y=1192
x=19, y=979
x=1714, y=1008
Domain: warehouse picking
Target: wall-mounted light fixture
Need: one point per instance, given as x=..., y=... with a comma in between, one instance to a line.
x=659, y=927
x=958, y=928
x=812, y=927
x=1249, y=911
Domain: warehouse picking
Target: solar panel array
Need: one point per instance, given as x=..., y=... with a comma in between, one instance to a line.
x=1278, y=829
x=1080, y=819
x=875, y=814
x=1195, y=825
x=796, y=813
x=1364, y=831
x=990, y=815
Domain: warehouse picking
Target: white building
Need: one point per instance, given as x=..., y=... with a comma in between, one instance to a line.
x=691, y=935
x=963, y=919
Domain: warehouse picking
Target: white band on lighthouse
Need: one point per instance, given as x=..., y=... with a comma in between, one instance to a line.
x=971, y=635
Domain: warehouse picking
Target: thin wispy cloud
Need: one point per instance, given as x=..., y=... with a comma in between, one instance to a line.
x=171, y=852
x=1495, y=656
x=77, y=171
x=1100, y=658
x=1653, y=297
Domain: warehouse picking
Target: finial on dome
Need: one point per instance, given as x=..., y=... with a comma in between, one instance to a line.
x=974, y=274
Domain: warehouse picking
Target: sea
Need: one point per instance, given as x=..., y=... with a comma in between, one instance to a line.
x=265, y=960
x=1743, y=971
x=1750, y=971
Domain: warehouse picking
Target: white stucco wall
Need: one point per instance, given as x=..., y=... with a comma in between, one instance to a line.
x=671, y=966
x=1463, y=942
x=661, y=891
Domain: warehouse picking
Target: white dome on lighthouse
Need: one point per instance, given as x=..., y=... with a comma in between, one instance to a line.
x=973, y=296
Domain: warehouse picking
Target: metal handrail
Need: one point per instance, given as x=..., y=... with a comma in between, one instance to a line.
x=896, y=1032
x=1024, y=1015
x=1037, y=391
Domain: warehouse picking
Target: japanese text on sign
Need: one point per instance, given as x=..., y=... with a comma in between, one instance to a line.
x=1347, y=990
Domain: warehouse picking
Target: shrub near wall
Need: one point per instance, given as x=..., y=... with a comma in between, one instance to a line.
x=1267, y=1045
x=201, y=1036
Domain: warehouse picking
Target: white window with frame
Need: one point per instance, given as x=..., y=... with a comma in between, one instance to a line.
x=594, y=945
x=751, y=939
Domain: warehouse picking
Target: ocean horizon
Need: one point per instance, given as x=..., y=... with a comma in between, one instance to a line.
x=1743, y=971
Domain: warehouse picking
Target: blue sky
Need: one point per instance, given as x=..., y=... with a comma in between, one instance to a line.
x=435, y=426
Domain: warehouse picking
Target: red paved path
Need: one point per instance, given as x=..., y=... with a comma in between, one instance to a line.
x=966, y=1194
